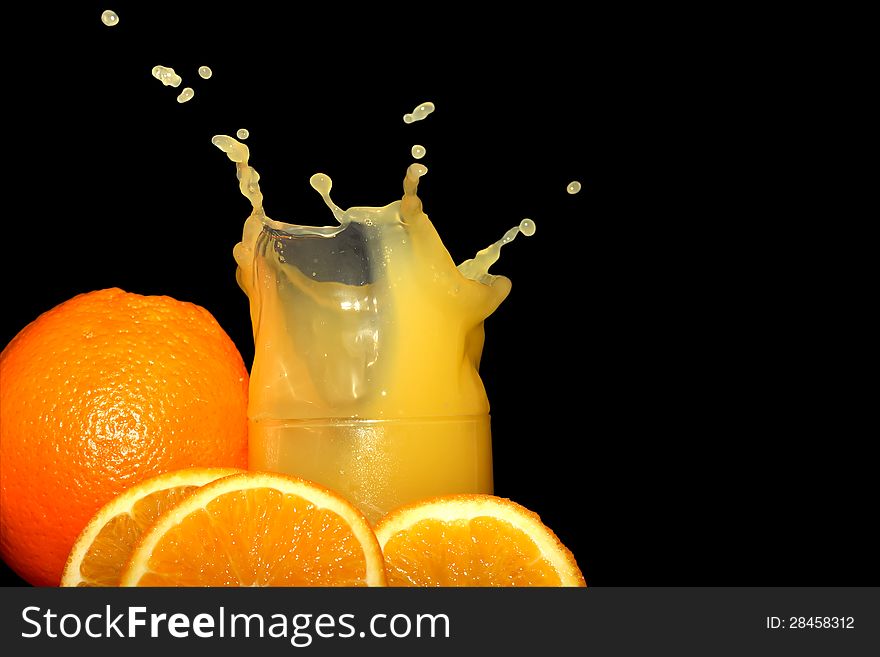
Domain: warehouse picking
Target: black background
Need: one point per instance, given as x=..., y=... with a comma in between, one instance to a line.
x=658, y=373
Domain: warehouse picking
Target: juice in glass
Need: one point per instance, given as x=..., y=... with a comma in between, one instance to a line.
x=367, y=347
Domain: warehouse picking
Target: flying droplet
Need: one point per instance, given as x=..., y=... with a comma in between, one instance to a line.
x=527, y=227
x=185, y=95
x=419, y=113
x=167, y=76
x=418, y=151
x=205, y=72
x=109, y=18
x=573, y=187
x=242, y=133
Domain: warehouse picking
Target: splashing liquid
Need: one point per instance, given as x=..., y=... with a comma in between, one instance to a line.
x=205, y=72
x=418, y=151
x=477, y=268
x=185, y=95
x=242, y=133
x=367, y=347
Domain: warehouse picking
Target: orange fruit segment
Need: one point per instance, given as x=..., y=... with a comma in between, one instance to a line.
x=106, y=543
x=473, y=540
x=258, y=529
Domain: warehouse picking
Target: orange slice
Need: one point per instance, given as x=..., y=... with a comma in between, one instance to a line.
x=258, y=529
x=106, y=543
x=473, y=540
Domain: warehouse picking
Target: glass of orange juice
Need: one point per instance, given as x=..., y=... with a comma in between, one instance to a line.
x=367, y=347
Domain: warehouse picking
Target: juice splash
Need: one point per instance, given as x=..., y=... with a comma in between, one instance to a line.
x=367, y=347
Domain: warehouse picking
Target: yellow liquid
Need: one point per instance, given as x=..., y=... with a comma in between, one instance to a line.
x=367, y=347
x=379, y=464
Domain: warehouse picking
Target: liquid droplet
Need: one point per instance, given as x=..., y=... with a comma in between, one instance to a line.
x=573, y=187
x=205, y=72
x=321, y=183
x=419, y=113
x=167, y=76
x=527, y=227
x=418, y=151
x=242, y=133
x=109, y=18
x=185, y=95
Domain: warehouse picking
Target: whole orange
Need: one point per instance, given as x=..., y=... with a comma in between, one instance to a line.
x=102, y=391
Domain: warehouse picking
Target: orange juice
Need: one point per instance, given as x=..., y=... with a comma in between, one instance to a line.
x=367, y=348
x=379, y=464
